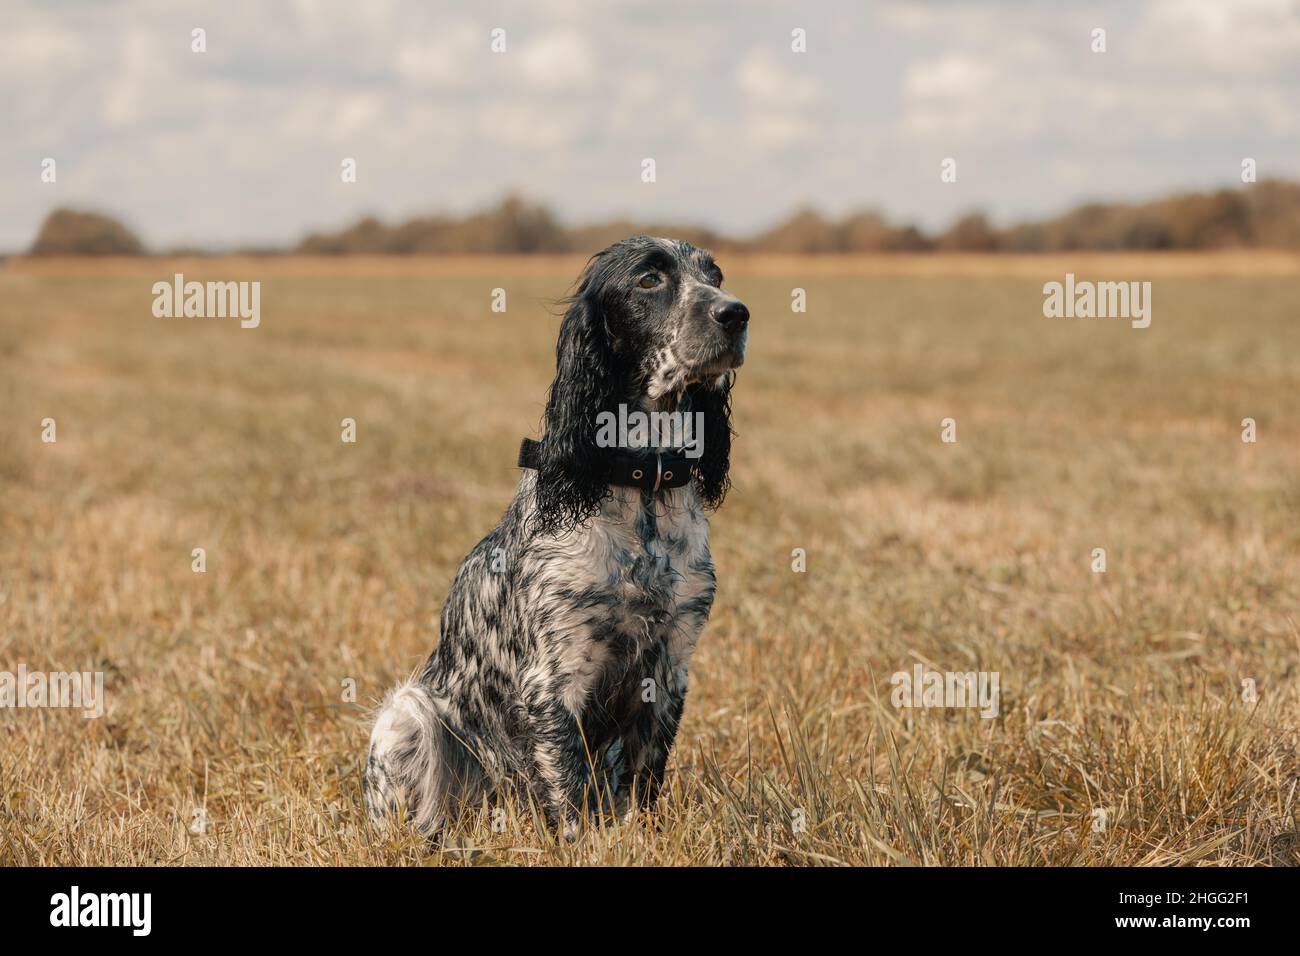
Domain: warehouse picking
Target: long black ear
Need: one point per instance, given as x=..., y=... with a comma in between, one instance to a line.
x=574, y=475
x=712, y=478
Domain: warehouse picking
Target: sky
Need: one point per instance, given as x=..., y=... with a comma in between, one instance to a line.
x=243, y=143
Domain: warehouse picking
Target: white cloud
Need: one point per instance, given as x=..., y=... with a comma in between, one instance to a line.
x=779, y=99
x=769, y=82
x=525, y=125
x=952, y=77
x=557, y=61
x=1243, y=37
x=774, y=130
x=441, y=58
x=38, y=50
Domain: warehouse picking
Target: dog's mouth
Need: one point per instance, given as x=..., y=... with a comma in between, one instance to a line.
x=678, y=371
x=730, y=358
x=713, y=369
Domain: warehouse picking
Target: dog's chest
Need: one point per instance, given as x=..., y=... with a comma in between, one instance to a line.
x=631, y=594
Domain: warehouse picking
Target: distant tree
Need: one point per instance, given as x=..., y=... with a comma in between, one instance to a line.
x=1208, y=221
x=970, y=233
x=72, y=232
x=522, y=226
x=1274, y=209
x=1142, y=230
x=910, y=239
x=805, y=231
x=1026, y=237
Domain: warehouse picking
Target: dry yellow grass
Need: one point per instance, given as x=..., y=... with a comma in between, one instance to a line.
x=327, y=562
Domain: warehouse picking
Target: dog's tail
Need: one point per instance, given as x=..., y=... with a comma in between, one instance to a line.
x=407, y=769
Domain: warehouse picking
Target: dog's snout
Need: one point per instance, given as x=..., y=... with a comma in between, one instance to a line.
x=731, y=313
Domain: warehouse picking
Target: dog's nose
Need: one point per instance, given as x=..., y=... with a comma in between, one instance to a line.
x=732, y=313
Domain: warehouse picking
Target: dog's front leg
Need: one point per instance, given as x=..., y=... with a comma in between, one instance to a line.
x=559, y=764
x=649, y=741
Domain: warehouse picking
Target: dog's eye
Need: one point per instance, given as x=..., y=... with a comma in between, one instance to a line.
x=717, y=278
x=648, y=281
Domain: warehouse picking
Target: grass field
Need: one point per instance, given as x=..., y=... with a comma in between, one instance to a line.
x=1121, y=692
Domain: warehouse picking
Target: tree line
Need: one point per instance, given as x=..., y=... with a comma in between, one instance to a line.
x=1264, y=214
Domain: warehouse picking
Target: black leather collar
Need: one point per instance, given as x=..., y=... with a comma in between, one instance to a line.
x=648, y=470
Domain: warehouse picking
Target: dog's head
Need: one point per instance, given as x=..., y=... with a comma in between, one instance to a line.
x=651, y=328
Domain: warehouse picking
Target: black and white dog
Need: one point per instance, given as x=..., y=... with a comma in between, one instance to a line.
x=561, y=668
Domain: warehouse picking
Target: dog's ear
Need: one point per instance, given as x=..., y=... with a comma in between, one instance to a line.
x=712, y=478
x=573, y=477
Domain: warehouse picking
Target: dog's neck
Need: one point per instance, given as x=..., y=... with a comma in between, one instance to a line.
x=661, y=410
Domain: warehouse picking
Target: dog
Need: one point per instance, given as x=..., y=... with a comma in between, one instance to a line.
x=560, y=672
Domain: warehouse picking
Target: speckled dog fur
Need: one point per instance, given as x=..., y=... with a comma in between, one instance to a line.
x=561, y=670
